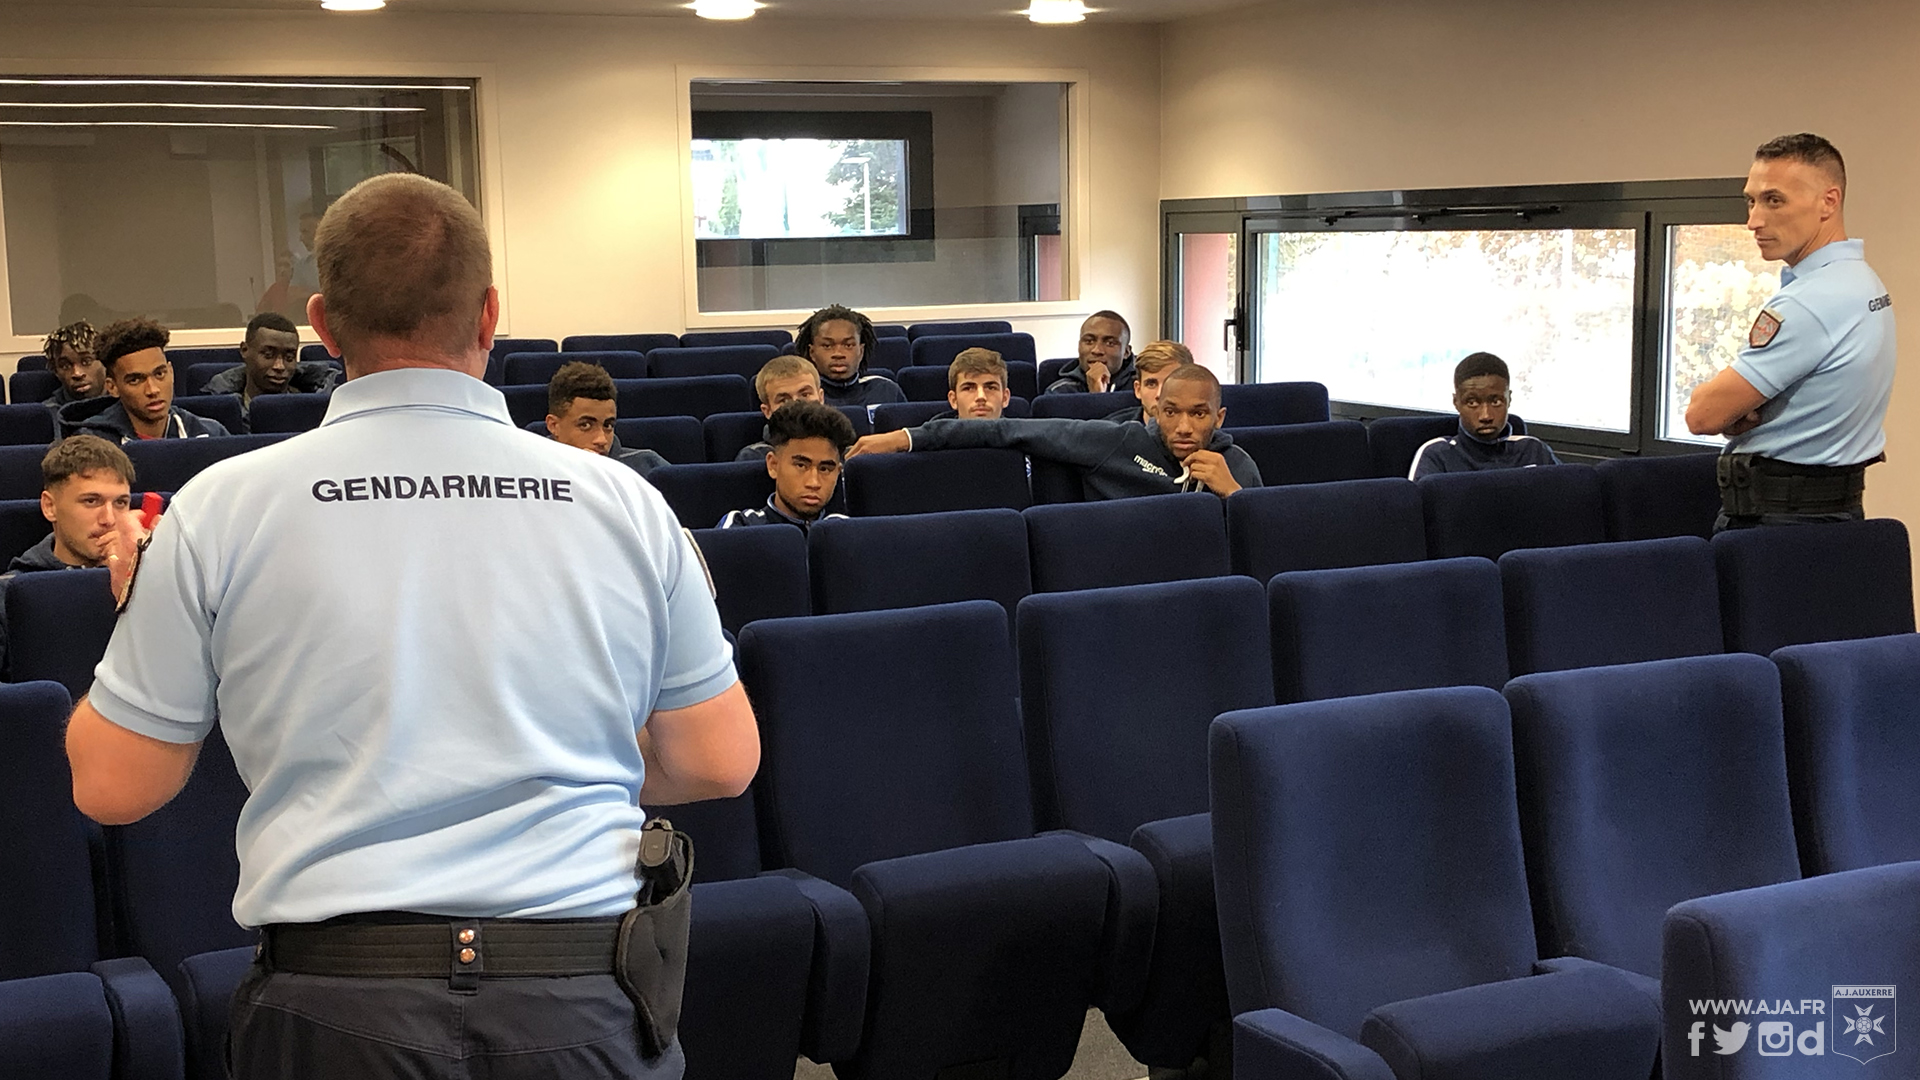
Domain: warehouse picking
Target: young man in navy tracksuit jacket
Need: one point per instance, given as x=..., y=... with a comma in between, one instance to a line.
x=1183, y=449
x=140, y=379
x=837, y=340
x=1485, y=439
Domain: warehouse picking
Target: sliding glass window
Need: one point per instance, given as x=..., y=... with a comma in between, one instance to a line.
x=193, y=200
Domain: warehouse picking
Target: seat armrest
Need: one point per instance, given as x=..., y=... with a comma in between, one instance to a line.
x=1589, y=1023
x=842, y=952
x=146, y=1021
x=1645, y=984
x=1133, y=907
x=1273, y=1044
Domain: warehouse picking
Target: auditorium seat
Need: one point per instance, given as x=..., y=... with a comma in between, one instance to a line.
x=934, y=481
x=930, y=384
x=526, y=405
x=1394, y=440
x=58, y=625
x=1683, y=762
x=99, y=1025
x=1270, y=404
x=20, y=476
x=742, y=360
x=1054, y=483
x=1596, y=604
x=190, y=379
x=891, y=353
x=1306, y=453
x=1119, y=750
x=173, y=874
x=889, y=330
x=698, y=397
x=974, y=328
x=504, y=347
x=31, y=387
x=726, y=434
x=31, y=362
x=1048, y=371
x=205, y=984
x=1373, y=902
x=1117, y=542
x=676, y=438
x=22, y=525
x=938, y=350
x=167, y=464
x=1789, y=585
x=185, y=357
x=757, y=573
x=701, y=339
x=907, y=414
x=1323, y=526
x=913, y=560
x=701, y=495
x=1853, y=750
x=640, y=343
x=1082, y=406
x=1651, y=497
x=30, y=424
x=316, y=353
x=989, y=943
x=538, y=368
x=48, y=919
x=222, y=409
x=1821, y=934
x=1368, y=629
x=290, y=413
x=1491, y=513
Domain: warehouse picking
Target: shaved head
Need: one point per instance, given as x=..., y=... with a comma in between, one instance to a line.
x=1195, y=373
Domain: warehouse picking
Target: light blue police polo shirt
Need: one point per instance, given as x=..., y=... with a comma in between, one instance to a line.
x=443, y=720
x=1828, y=370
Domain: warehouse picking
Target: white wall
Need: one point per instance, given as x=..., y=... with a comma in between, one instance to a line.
x=1384, y=94
x=585, y=114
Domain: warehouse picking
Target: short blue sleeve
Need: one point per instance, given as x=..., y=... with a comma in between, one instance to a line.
x=157, y=678
x=1795, y=350
x=699, y=660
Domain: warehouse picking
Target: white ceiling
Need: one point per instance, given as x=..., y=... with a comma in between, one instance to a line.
x=910, y=10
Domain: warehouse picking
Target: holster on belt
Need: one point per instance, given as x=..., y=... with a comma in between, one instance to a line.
x=650, y=959
x=1751, y=485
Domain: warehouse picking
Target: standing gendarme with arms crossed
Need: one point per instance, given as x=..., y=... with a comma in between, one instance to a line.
x=447, y=744
x=1803, y=406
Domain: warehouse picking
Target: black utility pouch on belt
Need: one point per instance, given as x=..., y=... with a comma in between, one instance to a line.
x=650, y=960
x=1734, y=474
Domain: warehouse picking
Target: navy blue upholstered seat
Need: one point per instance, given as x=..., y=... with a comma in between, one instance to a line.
x=22, y=525
x=168, y=464
x=699, y=396
x=29, y=424
x=701, y=339
x=223, y=409
x=938, y=350
x=742, y=360
x=1268, y=404
x=1789, y=586
x=1405, y=626
x=538, y=368
x=911, y=560
x=1272, y=530
x=1306, y=453
x=640, y=343
x=31, y=387
x=1490, y=513
x=1595, y=604
x=58, y=625
x=290, y=413
x=959, y=328
x=1096, y=545
x=1683, y=761
x=505, y=347
x=757, y=573
x=1651, y=497
x=936, y=481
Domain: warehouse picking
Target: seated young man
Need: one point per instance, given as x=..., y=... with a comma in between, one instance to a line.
x=1486, y=440
x=85, y=485
x=70, y=356
x=140, y=378
x=1151, y=365
x=810, y=441
x=580, y=413
x=1181, y=449
x=270, y=364
x=1105, y=361
x=977, y=386
x=837, y=340
x=783, y=379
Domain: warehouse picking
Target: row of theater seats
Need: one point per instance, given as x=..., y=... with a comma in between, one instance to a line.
x=692, y=353
x=892, y=894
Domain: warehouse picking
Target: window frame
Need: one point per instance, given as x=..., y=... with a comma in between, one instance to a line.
x=489, y=170
x=1647, y=207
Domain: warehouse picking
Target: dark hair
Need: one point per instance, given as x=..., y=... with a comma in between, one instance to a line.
x=1103, y=313
x=1193, y=373
x=129, y=336
x=269, y=320
x=810, y=420
x=1477, y=365
x=976, y=361
x=80, y=336
x=1809, y=149
x=78, y=455
x=578, y=379
x=869, y=339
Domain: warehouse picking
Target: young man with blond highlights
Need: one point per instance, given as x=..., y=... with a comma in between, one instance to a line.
x=1151, y=365
x=784, y=378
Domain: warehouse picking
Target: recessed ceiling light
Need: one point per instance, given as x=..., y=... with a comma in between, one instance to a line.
x=725, y=9
x=1057, y=12
x=353, y=5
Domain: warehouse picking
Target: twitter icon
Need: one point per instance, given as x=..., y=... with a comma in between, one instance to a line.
x=1730, y=1042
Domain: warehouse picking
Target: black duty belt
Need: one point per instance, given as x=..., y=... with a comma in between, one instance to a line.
x=1751, y=485
x=441, y=947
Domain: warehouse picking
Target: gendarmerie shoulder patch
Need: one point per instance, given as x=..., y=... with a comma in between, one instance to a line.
x=1765, y=326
